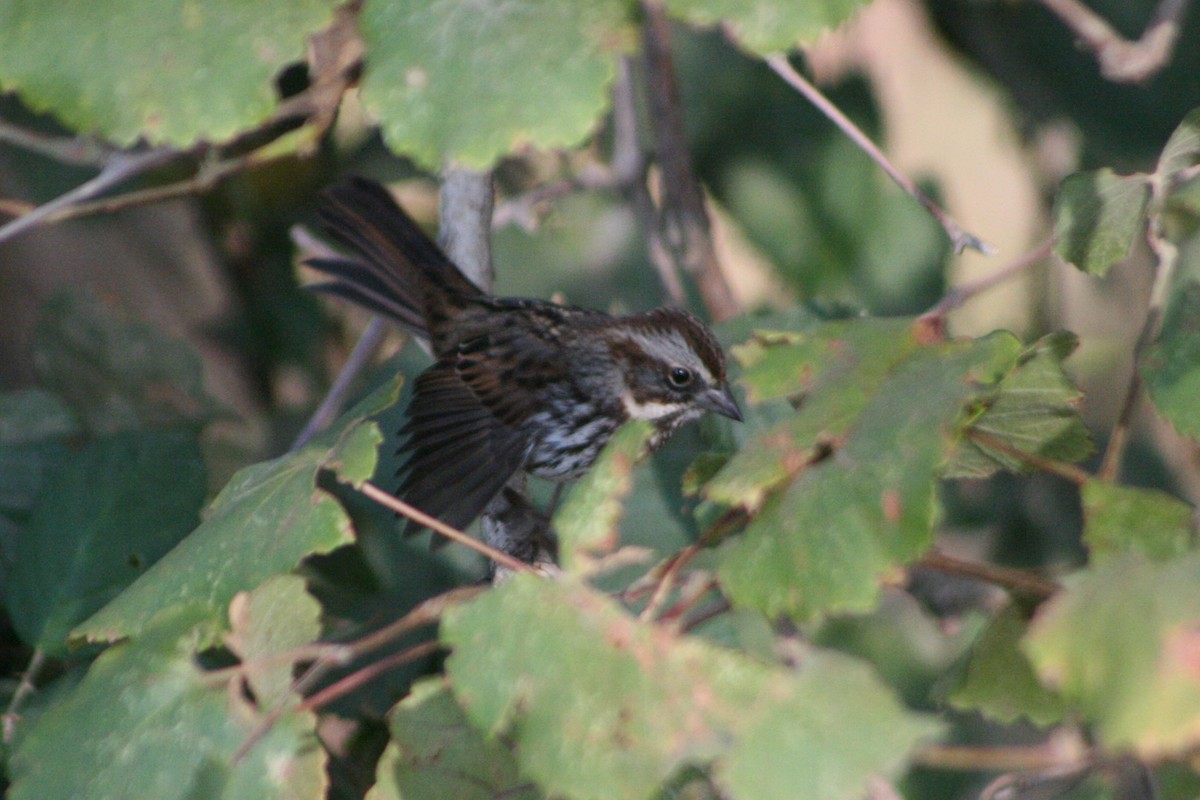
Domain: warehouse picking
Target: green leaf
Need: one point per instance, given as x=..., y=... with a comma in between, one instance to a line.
x=600, y=705
x=1171, y=366
x=147, y=722
x=268, y=518
x=34, y=415
x=834, y=371
x=588, y=522
x=826, y=541
x=115, y=374
x=435, y=754
x=275, y=618
x=998, y=679
x=430, y=69
x=1035, y=410
x=168, y=71
x=767, y=26
x=1121, y=646
x=114, y=508
x=1097, y=216
x=1126, y=519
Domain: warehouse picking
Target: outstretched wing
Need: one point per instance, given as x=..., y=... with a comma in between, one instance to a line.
x=467, y=432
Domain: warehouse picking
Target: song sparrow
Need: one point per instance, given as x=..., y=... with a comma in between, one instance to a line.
x=517, y=383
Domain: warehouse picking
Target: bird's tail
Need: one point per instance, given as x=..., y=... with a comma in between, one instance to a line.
x=396, y=269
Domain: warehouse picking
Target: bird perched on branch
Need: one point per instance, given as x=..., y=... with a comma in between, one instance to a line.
x=517, y=384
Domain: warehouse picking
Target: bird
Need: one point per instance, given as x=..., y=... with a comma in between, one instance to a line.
x=517, y=384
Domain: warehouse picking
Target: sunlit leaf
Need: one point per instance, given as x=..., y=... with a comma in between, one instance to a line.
x=146, y=722
x=599, y=705
x=1122, y=645
x=269, y=517
x=430, y=69
x=827, y=540
x=168, y=72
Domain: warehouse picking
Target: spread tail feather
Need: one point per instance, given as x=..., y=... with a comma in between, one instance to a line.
x=397, y=270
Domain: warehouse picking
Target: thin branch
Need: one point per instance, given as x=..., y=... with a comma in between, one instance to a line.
x=420, y=517
x=1014, y=580
x=956, y=296
x=960, y=238
x=713, y=611
x=1062, y=469
x=682, y=216
x=335, y=398
x=77, y=150
x=1035, y=758
x=24, y=689
x=120, y=168
x=1121, y=60
x=361, y=677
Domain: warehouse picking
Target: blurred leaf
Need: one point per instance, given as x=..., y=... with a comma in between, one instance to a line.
x=1171, y=366
x=427, y=61
x=836, y=369
x=1122, y=645
x=435, y=754
x=826, y=541
x=113, y=509
x=998, y=679
x=1183, y=148
x=1035, y=410
x=168, y=72
x=278, y=616
x=767, y=26
x=269, y=517
x=599, y=705
x=33, y=415
x=147, y=722
x=588, y=522
x=1097, y=216
x=116, y=374
x=1127, y=519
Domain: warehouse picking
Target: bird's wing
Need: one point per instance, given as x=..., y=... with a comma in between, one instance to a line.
x=464, y=440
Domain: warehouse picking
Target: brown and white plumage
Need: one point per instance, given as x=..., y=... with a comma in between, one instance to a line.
x=516, y=383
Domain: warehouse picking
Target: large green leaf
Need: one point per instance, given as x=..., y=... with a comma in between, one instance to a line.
x=115, y=373
x=600, y=705
x=268, y=518
x=1120, y=644
x=147, y=722
x=767, y=26
x=114, y=508
x=167, y=71
x=435, y=754
x=998, y=679
x=1097, y=216
x=464, y=81
x=827, y=540
x=832, y=373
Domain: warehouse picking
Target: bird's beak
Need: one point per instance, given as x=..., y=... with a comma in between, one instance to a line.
x=720, y=399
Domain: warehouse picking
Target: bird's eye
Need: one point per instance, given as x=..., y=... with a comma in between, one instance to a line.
x=680, y=376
